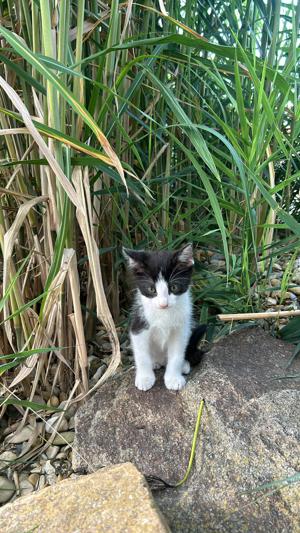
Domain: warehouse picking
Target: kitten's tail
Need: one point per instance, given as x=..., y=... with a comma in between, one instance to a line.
x=192, y=354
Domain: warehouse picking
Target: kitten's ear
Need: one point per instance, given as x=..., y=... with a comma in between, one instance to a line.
x=185, y=255
x=134, y=258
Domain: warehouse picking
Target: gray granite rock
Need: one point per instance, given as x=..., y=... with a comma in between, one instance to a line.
x=250, y=436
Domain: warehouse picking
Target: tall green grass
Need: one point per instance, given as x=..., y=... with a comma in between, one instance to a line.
x=121, y=124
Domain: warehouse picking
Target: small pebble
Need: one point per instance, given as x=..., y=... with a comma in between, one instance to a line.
x=274, y=282
x=50, y=474
x=71, y=410
x=216, y=263
x=25, y=487
x=6, y=458
x=106, y=347
x=271, y=301
x=7, y=489
x=283, y=295
x=297, y=263
x=296, y=278
x=275, y=275
x=42, y=482
x=21, y=436
x=33, y=478
x=61, y=455
x=53, y=401
x=23, y=475
x=98, y=373
x=286, y=295
x=36, y=469
x=52, y=422
x=295, y=290
x=52, y=451
x=92, y=359
x=61, y=439
x=291, y=307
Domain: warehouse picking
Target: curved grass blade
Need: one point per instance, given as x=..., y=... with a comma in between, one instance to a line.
x=26, y=53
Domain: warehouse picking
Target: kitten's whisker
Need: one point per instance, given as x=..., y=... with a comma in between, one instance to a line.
x=178, y=277
x=180, y=274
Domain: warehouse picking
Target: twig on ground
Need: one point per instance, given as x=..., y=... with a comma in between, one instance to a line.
x=258, y=316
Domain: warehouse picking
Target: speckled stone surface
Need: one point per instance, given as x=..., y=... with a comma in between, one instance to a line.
x=250, y=436
x=114, y=499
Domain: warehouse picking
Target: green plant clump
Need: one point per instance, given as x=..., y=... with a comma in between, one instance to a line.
x=146, y=125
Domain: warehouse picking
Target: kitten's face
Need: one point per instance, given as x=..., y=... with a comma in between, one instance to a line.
x=161, y=277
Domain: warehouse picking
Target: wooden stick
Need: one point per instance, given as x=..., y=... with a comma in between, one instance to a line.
x=250, y=316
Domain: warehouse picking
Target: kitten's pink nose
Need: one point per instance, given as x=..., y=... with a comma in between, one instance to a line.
x=163, y=305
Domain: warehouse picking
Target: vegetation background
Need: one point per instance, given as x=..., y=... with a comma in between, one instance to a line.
x=142, y=124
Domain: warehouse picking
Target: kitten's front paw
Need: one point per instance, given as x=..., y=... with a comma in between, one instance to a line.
x=176, y=382
x=144, y=382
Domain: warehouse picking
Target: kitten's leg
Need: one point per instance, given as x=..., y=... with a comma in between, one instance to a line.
x=186, y=368
x=145, y=377
x=173, y=378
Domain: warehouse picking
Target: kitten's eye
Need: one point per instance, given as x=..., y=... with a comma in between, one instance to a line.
x=151, y=290
x=174, y=287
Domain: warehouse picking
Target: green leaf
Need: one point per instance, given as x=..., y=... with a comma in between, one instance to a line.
x=30, y=405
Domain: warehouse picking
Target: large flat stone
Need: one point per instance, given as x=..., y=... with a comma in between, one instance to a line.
x=115, y=499
x=250, y=436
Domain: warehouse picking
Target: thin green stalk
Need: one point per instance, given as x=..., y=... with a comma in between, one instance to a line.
x=62, y=53
x=194, y=442
x=78, y=88
x=52, y=95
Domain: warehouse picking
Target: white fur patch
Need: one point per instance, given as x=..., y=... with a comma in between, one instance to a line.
x=162, y=292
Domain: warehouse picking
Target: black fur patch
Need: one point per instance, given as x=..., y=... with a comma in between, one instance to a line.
x=138, y=323
x=192, y=354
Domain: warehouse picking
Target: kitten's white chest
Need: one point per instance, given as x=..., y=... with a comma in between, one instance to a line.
x=160, y=334
x=164, y=323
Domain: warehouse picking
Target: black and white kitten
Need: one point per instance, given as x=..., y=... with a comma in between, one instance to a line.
x=161, y=321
